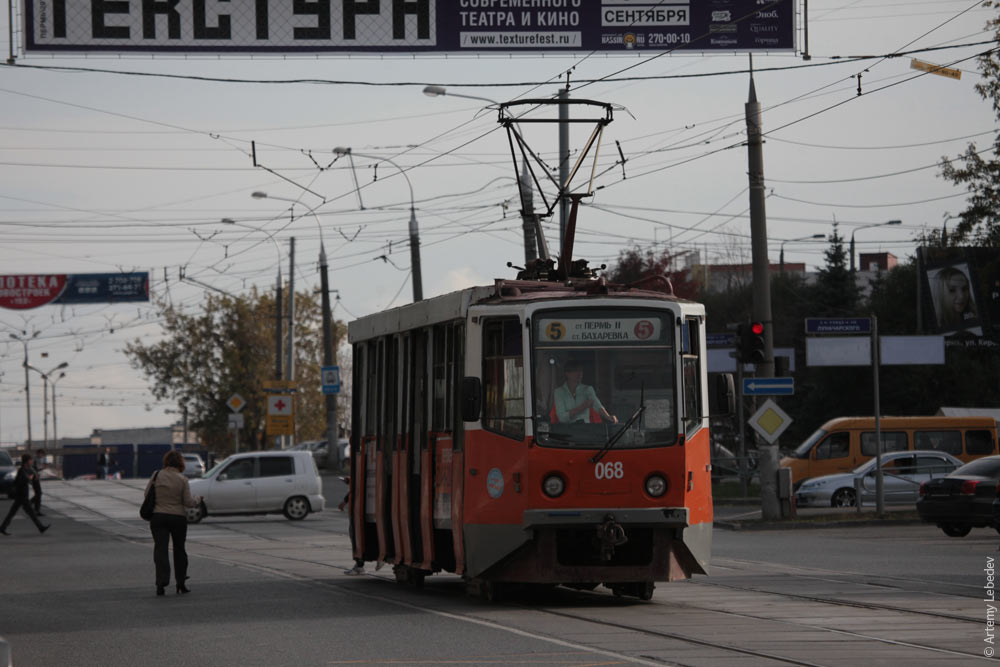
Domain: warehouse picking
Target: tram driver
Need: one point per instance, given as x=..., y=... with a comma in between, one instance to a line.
x=578, y=402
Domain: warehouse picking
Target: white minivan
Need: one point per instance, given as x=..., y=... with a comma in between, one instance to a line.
x=260, y=483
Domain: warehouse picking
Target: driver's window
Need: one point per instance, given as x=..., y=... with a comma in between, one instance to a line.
x=242, y=469
x=835, y=446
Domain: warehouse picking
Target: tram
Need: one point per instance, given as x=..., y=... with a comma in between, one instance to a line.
x=534, y=431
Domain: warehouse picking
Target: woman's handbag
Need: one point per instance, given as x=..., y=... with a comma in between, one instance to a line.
x=149, y=502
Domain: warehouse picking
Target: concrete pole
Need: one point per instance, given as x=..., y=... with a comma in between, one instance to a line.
x=290, y=364
x=417, y=277
x=332, y=432
x=528, y=219
x=55, y=433
x=563, y=161
x=45, y=410
x=287, y=441
x=770, y=507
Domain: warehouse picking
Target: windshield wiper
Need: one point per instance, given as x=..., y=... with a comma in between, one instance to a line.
x=631, y=420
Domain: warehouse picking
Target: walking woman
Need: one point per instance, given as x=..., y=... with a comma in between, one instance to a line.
x=169, y=522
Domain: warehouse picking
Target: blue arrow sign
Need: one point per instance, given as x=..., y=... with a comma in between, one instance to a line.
x=768, y=386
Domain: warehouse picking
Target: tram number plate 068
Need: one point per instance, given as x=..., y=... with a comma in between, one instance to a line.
x=609, y=470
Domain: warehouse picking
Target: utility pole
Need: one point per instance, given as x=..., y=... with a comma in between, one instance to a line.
x=332, y=432
x=770, y=508
x=528, y=218
x=279, y=316
x=290, y=366
x=563, y=159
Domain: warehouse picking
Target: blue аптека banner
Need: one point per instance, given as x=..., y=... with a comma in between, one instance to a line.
x=409, y=26
x=24, y=291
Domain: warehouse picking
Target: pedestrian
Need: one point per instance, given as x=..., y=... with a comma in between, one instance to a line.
x=169, y=522
x=36, y=483
x=104, y=462
x=22, y=481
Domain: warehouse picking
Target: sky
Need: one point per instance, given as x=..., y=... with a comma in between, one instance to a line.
x=115, y=163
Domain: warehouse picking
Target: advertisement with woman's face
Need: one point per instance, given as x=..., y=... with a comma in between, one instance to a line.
x=954, y=300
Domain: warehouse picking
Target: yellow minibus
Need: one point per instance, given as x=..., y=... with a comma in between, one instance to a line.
x=844, y=443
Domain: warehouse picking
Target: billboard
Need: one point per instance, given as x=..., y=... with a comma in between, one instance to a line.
x=961, y=292
x=407, y=26
x=24, y=291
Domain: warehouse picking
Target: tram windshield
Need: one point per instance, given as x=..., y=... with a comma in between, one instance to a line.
x=596, y=369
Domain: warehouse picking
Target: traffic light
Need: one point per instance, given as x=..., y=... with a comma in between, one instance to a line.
x=751, y=342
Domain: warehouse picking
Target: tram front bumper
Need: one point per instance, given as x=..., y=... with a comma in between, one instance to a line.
x=605, y=545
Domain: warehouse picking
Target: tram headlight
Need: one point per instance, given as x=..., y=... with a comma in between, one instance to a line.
x=656, y=485
x=553, y=486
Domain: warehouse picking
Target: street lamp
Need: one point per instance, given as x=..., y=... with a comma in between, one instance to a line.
x=55, y=433
x=441, y=91
x=781, y=255
x=332, y=431
x=45, y=394
x=27, y=389
x=418, y=288
x=877, y=224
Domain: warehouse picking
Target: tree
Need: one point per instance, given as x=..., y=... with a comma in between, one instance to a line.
x=836, y=294
x=979, y=223
x=635, y=263
x=228, y=347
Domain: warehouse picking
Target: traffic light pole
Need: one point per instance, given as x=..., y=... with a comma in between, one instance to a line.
x=770, y=507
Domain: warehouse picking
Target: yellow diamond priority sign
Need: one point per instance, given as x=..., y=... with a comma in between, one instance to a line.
x=236, y=403
x=770, y=421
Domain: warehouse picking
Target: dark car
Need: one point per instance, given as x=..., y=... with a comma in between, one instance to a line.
x=964, y=499
x=7, y=472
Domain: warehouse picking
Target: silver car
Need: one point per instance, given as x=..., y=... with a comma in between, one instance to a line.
x=193, y=466
x=902, y=474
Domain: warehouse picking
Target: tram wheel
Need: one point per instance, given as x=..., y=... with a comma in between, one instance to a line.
x=644, y=590
x=492, y=591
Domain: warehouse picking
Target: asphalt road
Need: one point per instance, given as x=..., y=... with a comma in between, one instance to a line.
x=271, y=591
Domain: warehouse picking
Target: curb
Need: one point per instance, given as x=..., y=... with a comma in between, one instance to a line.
x=757, y=524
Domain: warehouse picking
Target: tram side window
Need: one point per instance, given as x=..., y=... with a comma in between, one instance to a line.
x=979, y=442
x=444, y=377
x=836, y=446
x=371, y=387
x=892, y=441
x=503, y=377
x=942, y=441
x=691, y=362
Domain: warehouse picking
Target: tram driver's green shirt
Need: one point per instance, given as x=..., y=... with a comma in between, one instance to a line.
x=566, y=401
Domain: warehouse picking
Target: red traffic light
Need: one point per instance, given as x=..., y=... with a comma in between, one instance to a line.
x=757, y=328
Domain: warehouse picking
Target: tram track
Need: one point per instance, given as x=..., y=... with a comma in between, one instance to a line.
x=828, y=576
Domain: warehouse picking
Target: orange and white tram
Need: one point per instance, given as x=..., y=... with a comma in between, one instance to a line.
x=472, y=453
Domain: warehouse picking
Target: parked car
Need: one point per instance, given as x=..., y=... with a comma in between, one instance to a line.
x=902, y=475
x=7, y=473
x=260, y=483
x=193, y=466
x=963, y=500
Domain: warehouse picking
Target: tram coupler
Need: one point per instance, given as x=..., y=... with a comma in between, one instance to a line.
x=610, y=534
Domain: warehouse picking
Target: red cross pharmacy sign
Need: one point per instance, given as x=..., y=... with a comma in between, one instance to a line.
x=280, y=414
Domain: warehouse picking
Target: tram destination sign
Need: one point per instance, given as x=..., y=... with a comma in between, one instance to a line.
x=600, y=330
x=838, y=325
x=408, y=26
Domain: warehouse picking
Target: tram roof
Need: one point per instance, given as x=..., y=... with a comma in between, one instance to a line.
x=455, y=305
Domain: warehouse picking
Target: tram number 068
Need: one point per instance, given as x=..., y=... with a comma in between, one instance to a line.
x=609, y=470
